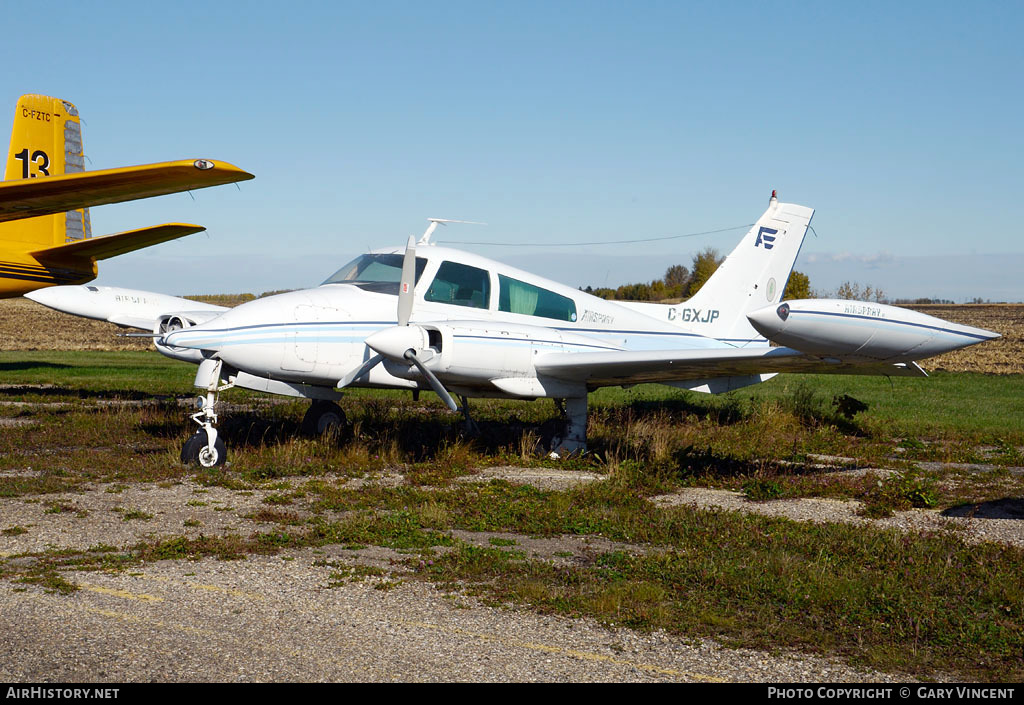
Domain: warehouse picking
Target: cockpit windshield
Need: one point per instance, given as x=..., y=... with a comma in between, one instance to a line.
x=379, y=273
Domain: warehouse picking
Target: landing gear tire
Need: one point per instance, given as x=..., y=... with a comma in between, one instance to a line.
x=324, y=418
x=196, y=450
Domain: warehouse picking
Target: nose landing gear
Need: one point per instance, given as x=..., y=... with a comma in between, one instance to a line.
x=206, y=447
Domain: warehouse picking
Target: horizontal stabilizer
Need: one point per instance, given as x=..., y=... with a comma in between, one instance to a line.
x=46, y=195
x=112, y=245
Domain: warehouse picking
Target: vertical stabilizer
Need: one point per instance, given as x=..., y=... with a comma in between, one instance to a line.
x=754, y=274
x=46, y=141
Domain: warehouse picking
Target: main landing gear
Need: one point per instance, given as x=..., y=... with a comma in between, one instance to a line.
x=469, y=425
x=574, y=433
x=324, y=418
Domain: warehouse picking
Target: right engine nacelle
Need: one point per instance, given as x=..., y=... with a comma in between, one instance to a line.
x=860, y=330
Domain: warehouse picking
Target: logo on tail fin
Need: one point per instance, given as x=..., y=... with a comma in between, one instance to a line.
x=766, y=237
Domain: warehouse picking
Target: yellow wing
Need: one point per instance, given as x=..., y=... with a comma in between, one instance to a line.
x=117, y=244
x=27, y=198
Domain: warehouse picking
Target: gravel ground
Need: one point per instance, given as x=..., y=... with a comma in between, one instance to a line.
x=971, y=529
x=277, y=619
x=286, y=618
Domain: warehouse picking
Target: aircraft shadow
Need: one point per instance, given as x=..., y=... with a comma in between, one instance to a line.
x=1006, y=508
x=60, y=391
x=417, y=438
x=30, y=365
x=422, y=438
x=730, y=413
x=726, y=414
x=703, y=462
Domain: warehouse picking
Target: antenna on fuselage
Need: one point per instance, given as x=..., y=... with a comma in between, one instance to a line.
x=434, y=222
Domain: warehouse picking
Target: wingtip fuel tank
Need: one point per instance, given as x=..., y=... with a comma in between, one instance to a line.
x=862, y=330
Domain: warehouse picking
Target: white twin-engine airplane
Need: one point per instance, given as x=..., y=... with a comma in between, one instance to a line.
x=451, y=321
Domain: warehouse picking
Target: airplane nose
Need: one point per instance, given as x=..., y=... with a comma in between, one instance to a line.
x=78, y=300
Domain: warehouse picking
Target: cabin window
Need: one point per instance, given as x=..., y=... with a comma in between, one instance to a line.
x=530, y=300
x=375, y=269
x=460, y=285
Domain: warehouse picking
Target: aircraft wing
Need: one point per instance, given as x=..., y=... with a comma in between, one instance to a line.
x=603, y=369
x=27, y=198
x=118, y=243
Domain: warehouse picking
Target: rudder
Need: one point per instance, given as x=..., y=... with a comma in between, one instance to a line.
x=753, y=275
x=46, y=140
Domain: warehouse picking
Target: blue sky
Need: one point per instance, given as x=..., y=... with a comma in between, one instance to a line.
x=553, y=122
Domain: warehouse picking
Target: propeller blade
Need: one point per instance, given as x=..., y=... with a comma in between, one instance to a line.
x=359, y=371
x=435, y=384
x=408, y=283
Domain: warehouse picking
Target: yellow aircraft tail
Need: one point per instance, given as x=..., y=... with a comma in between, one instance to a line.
x=46, y=141
x=45, y=235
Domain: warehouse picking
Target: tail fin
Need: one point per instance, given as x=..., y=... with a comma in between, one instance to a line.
x=754, y=274
x=46, y=141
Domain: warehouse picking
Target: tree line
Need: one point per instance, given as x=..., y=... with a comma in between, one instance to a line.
x=681, y=282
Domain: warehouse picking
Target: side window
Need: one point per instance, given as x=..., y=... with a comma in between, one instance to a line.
x=460, y=285
x=520, y=297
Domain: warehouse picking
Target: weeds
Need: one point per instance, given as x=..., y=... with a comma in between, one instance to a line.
x=899, y=492
x=760, y=490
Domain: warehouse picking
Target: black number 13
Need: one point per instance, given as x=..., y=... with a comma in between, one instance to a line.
x=40, y=159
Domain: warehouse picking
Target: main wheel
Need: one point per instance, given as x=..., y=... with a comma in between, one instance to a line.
x=324, y=418
x=196, y=450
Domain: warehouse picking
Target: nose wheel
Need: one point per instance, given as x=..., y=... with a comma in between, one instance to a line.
x=197, y=450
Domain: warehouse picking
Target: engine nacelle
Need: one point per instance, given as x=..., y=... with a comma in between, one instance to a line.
x=862, y=330
x=169, y=323
x=478, y=354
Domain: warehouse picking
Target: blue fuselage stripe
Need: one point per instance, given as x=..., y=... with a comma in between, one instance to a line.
x=356, y=331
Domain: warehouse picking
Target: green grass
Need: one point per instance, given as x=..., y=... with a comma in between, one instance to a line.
x=943, y=403
x=91, y=374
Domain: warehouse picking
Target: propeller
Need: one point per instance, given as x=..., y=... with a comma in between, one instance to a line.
x=435, y=383
x=408, y=283
x=402, y=341
x=360, y=371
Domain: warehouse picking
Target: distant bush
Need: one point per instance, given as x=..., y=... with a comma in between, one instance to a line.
x=221, y=299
